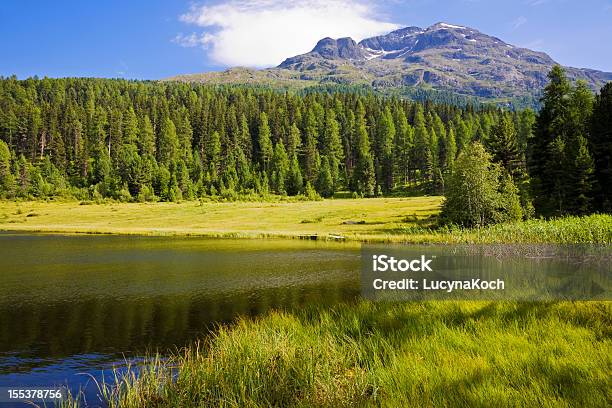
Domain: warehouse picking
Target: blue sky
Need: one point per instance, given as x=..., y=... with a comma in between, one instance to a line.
x=156, y=39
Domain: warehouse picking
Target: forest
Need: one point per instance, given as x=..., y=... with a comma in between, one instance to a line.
x=97, y=139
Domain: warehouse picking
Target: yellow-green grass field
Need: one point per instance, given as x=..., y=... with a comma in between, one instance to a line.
x=409, y=219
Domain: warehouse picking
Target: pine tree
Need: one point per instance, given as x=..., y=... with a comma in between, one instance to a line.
x=212, y=149
x=583, y=179
x=422, y=155
x=294, y=141
x=450, y=149
x=168, y=143
x=146, y=137
x=554, y=149
x=6, y=178
x=386, y=137
x=503, y=144
x=264, y=141
x=363, y=175
x=600, y=143
x=294, y=182
x=325, y=183
x=244, y=140
x=404, y=141
x=280, y=168
x=331, y=145
x=310, y=150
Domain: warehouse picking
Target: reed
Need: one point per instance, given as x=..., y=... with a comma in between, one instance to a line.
x=385, y=354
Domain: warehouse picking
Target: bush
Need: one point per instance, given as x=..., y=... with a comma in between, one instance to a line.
x=478, y=192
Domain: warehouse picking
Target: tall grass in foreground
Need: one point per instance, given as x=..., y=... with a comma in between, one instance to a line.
x=382, y=354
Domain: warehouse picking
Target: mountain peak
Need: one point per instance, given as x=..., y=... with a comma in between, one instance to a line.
x=447, y=26
x=345, y=48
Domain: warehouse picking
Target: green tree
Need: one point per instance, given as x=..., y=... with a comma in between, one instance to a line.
x=477, y=193
x=325, y=183
x=294, y=182
x=168, y=143
x=6, y=178
x=386, y=137
x=364, y=181
x=503, y=144
x=294, y=140
x=280, y=168
x=404, y=141
x=600, y=143
x=264, y=141
x=553, y=151
x=584, y=169
x=146, y=137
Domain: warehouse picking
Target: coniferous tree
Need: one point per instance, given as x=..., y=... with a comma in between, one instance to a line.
x=295, y=182
x=503, y=144
x=264, y=141
x=279, y=168
x=325, y=183
x=364, y=181
x=168, y=143
x=146, y=137
x=386, y=136
x=583, y=179
x=553, y=151
x=331, y=145
x=600, y=143
x=310, y=152
x=422, y=155
x=6, y=178
x=404, y=140
x=294, y=140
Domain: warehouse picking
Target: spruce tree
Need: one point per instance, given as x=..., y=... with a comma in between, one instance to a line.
x=583, y=179
x=386, y=136
x=280, y=168
x=294, y=182
x=6, y=178
x=264, y=141
x=364, y=181
x=325, y=183
x=168, y=142
x=600, y=143
x=503, y=144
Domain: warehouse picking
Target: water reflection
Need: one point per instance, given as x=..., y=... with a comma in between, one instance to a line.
x=73, y=303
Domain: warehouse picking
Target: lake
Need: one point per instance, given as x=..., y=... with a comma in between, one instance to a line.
x=72, y=306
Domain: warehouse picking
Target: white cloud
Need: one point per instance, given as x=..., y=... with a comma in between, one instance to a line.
x=519, y=22
x=262, y=33
x=193, y=40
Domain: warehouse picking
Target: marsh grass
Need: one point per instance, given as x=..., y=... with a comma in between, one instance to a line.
x=384, y=354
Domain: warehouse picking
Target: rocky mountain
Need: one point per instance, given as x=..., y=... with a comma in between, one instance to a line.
x=441, y=57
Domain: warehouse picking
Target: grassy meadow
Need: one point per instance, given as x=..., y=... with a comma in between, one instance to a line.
x=435, y=354
x=407, y=219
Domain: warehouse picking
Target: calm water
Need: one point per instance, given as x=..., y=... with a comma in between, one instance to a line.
x=76, y=305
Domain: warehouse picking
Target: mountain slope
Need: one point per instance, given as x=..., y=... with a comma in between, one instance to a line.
x=442, y=57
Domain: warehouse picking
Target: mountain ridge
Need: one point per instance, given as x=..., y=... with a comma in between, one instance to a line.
x=443, y=57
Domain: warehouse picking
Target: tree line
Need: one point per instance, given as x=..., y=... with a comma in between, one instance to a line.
x=148, y=141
